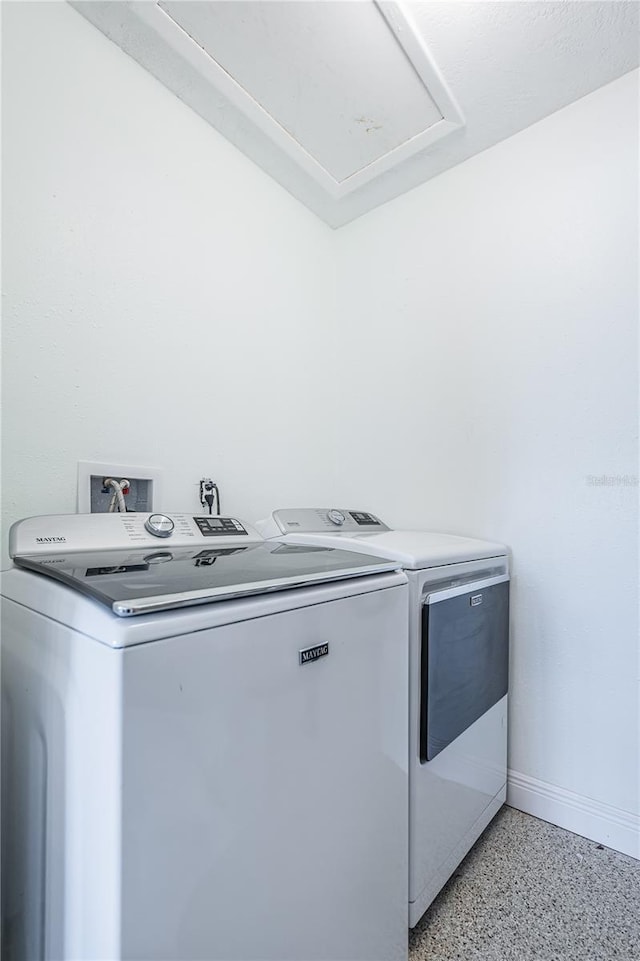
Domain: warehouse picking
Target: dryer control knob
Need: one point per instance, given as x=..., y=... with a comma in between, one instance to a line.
x=159, y=525
x=336, y=517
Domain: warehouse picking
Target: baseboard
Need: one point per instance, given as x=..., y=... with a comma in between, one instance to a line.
x=595, y=820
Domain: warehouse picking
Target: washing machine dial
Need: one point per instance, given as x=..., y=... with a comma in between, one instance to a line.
x=159, y=525
x=336, y=517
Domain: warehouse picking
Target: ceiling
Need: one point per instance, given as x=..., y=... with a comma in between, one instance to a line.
x=349, y=103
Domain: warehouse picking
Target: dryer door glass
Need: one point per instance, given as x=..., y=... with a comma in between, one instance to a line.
x=464, y=659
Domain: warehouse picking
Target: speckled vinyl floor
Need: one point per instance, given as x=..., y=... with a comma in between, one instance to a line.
x=529, y=891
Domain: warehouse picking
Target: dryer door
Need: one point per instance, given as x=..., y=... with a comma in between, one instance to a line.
x=464, y=659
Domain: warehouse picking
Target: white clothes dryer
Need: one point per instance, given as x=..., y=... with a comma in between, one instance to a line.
x=204, y=745
x=458, y=679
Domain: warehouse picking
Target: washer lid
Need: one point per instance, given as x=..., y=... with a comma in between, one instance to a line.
x=164, y=578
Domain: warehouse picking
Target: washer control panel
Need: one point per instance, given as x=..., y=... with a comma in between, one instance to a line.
x=64, y=533
x=219, y=526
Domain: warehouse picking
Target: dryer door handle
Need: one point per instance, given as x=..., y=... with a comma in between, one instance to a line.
x=470, y=587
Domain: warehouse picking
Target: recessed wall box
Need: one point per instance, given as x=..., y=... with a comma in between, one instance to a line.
x=144, y=486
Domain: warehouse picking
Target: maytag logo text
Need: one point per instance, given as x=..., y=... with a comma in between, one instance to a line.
x=313, y=653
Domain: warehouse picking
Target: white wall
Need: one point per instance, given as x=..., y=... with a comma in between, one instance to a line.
x=461, y=358
x=499, y=305
x=158, y=286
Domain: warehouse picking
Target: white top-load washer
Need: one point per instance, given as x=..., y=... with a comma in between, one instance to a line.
x=458, y=667
x=205, y=751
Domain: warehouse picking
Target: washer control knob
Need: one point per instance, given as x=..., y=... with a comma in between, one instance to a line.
x=159, y=525
x=336, y=517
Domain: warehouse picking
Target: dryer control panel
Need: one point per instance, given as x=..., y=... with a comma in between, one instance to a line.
x=311, y=520
x=62, y=533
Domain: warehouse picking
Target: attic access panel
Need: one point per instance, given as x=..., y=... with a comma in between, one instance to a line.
x=347, y=90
